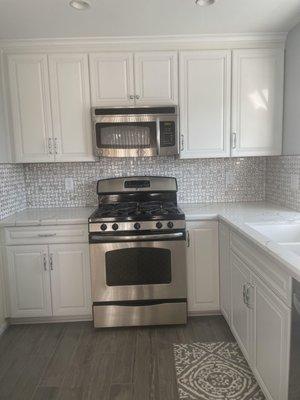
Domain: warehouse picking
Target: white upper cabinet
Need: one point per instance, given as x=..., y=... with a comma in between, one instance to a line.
x=30, y=107
x=205, y=81
x=111, y=77
x=156, y=78
x=257, y=102
x=145, y=78
x=70, y=101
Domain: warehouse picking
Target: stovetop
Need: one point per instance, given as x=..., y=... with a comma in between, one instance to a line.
x=137, y=211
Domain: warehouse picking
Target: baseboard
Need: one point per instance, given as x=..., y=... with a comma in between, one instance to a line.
x=203, y=313
x=49, y=320
x=3, y=327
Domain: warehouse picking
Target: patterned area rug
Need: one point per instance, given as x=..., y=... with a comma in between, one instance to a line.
x=214, y=371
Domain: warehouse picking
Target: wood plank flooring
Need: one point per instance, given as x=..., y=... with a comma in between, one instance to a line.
x=73, y=361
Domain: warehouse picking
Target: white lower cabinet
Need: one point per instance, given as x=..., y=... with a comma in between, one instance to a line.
x=260, y=321
x=70, y=279
x=202, y=266
x=240, y=312
x=224, y=261
x=29, y=281
x=49, y=280
x=271, y=330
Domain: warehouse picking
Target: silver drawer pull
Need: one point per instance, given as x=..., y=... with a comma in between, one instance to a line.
x=51, y=261
x=45, y=261
x=46, y=235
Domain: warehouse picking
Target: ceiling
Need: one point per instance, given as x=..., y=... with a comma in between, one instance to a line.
x=55, y=18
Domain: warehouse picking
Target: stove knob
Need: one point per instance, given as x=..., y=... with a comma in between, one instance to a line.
x=115, y=226
x=159, y=225
x=137, y=225
x=170, y=224
x=103, y=227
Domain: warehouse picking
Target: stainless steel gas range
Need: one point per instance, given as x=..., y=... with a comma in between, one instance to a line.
x=138, y=253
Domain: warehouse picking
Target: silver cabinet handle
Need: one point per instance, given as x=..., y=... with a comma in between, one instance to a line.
x=188, y=240
x=131, y=96
x=248, y=287
x=46, y=235
x=244, y=294
x=55, y=145
x=233, y=136
x=45, y=261
x=182, y=143
x=51, y=261
x=50, y=146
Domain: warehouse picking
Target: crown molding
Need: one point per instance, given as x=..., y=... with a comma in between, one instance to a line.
x=173, y=40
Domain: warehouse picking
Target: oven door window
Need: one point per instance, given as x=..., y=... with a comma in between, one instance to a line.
x=134, y=135
x=138, y=266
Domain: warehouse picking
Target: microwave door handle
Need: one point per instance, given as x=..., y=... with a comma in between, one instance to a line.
x=158, y=136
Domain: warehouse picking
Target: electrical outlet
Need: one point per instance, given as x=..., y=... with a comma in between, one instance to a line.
x=229, y=178
x=69, y=185
x=294, y=182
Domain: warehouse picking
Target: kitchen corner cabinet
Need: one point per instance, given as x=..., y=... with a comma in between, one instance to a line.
x=257, y=102
x=50, y=278
x=260, y=312
x=202, y=267
x=205, y=84
x=50, y=107
x=124, y=79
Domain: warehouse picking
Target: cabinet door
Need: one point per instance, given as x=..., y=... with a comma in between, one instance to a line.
x=205, y=80
x=156, y=78
x=203, y=266
x=29, y=281
x=70, y=101
x=111, y=77
x=257, y=102
x=30, y=107
x=240, y=312
x=225, y=281
x=271, y=334
x=70, y=279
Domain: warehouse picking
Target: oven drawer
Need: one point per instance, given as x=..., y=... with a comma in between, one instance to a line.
x=106, y=316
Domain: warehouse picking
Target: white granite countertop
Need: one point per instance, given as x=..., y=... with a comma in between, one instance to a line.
x=48, y=216
x=237, y=215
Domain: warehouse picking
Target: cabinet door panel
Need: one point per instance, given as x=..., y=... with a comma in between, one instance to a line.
x=70, y=99
x=203, y=267
x=111, y=77
x=240, y=313
x=30, y=107
x=29, y=281
x=205, y=80
x=271, y=327
x=225, y=281
x=70, y=279
x=156, y=78
x=257, y=101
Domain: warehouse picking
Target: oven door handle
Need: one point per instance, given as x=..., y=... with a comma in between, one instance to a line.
x=137, y=238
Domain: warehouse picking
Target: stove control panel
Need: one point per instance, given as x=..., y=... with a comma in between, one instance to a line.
x=109, y=227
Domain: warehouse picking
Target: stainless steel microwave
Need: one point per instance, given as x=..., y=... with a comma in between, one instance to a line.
x=135, y=131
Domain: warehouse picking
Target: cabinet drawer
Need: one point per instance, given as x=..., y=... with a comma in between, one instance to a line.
x=264, y=266
x=46, y=234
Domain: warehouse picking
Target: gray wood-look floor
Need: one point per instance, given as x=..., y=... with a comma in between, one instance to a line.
x=75, y=361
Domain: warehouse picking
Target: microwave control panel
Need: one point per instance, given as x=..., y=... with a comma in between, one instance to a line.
x=167, y=133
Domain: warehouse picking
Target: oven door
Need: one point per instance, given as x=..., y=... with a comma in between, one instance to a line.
x=138, y=270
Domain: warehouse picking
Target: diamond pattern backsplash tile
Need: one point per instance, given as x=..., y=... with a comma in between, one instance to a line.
x=283, y=181
x=12, y=189
x=205, y=180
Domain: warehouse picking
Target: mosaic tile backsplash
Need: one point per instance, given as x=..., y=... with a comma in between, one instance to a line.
x=206, y=180
x=12, y=189
x=283, y=181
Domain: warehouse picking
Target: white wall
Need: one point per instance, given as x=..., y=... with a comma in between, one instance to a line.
x=291, y=132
